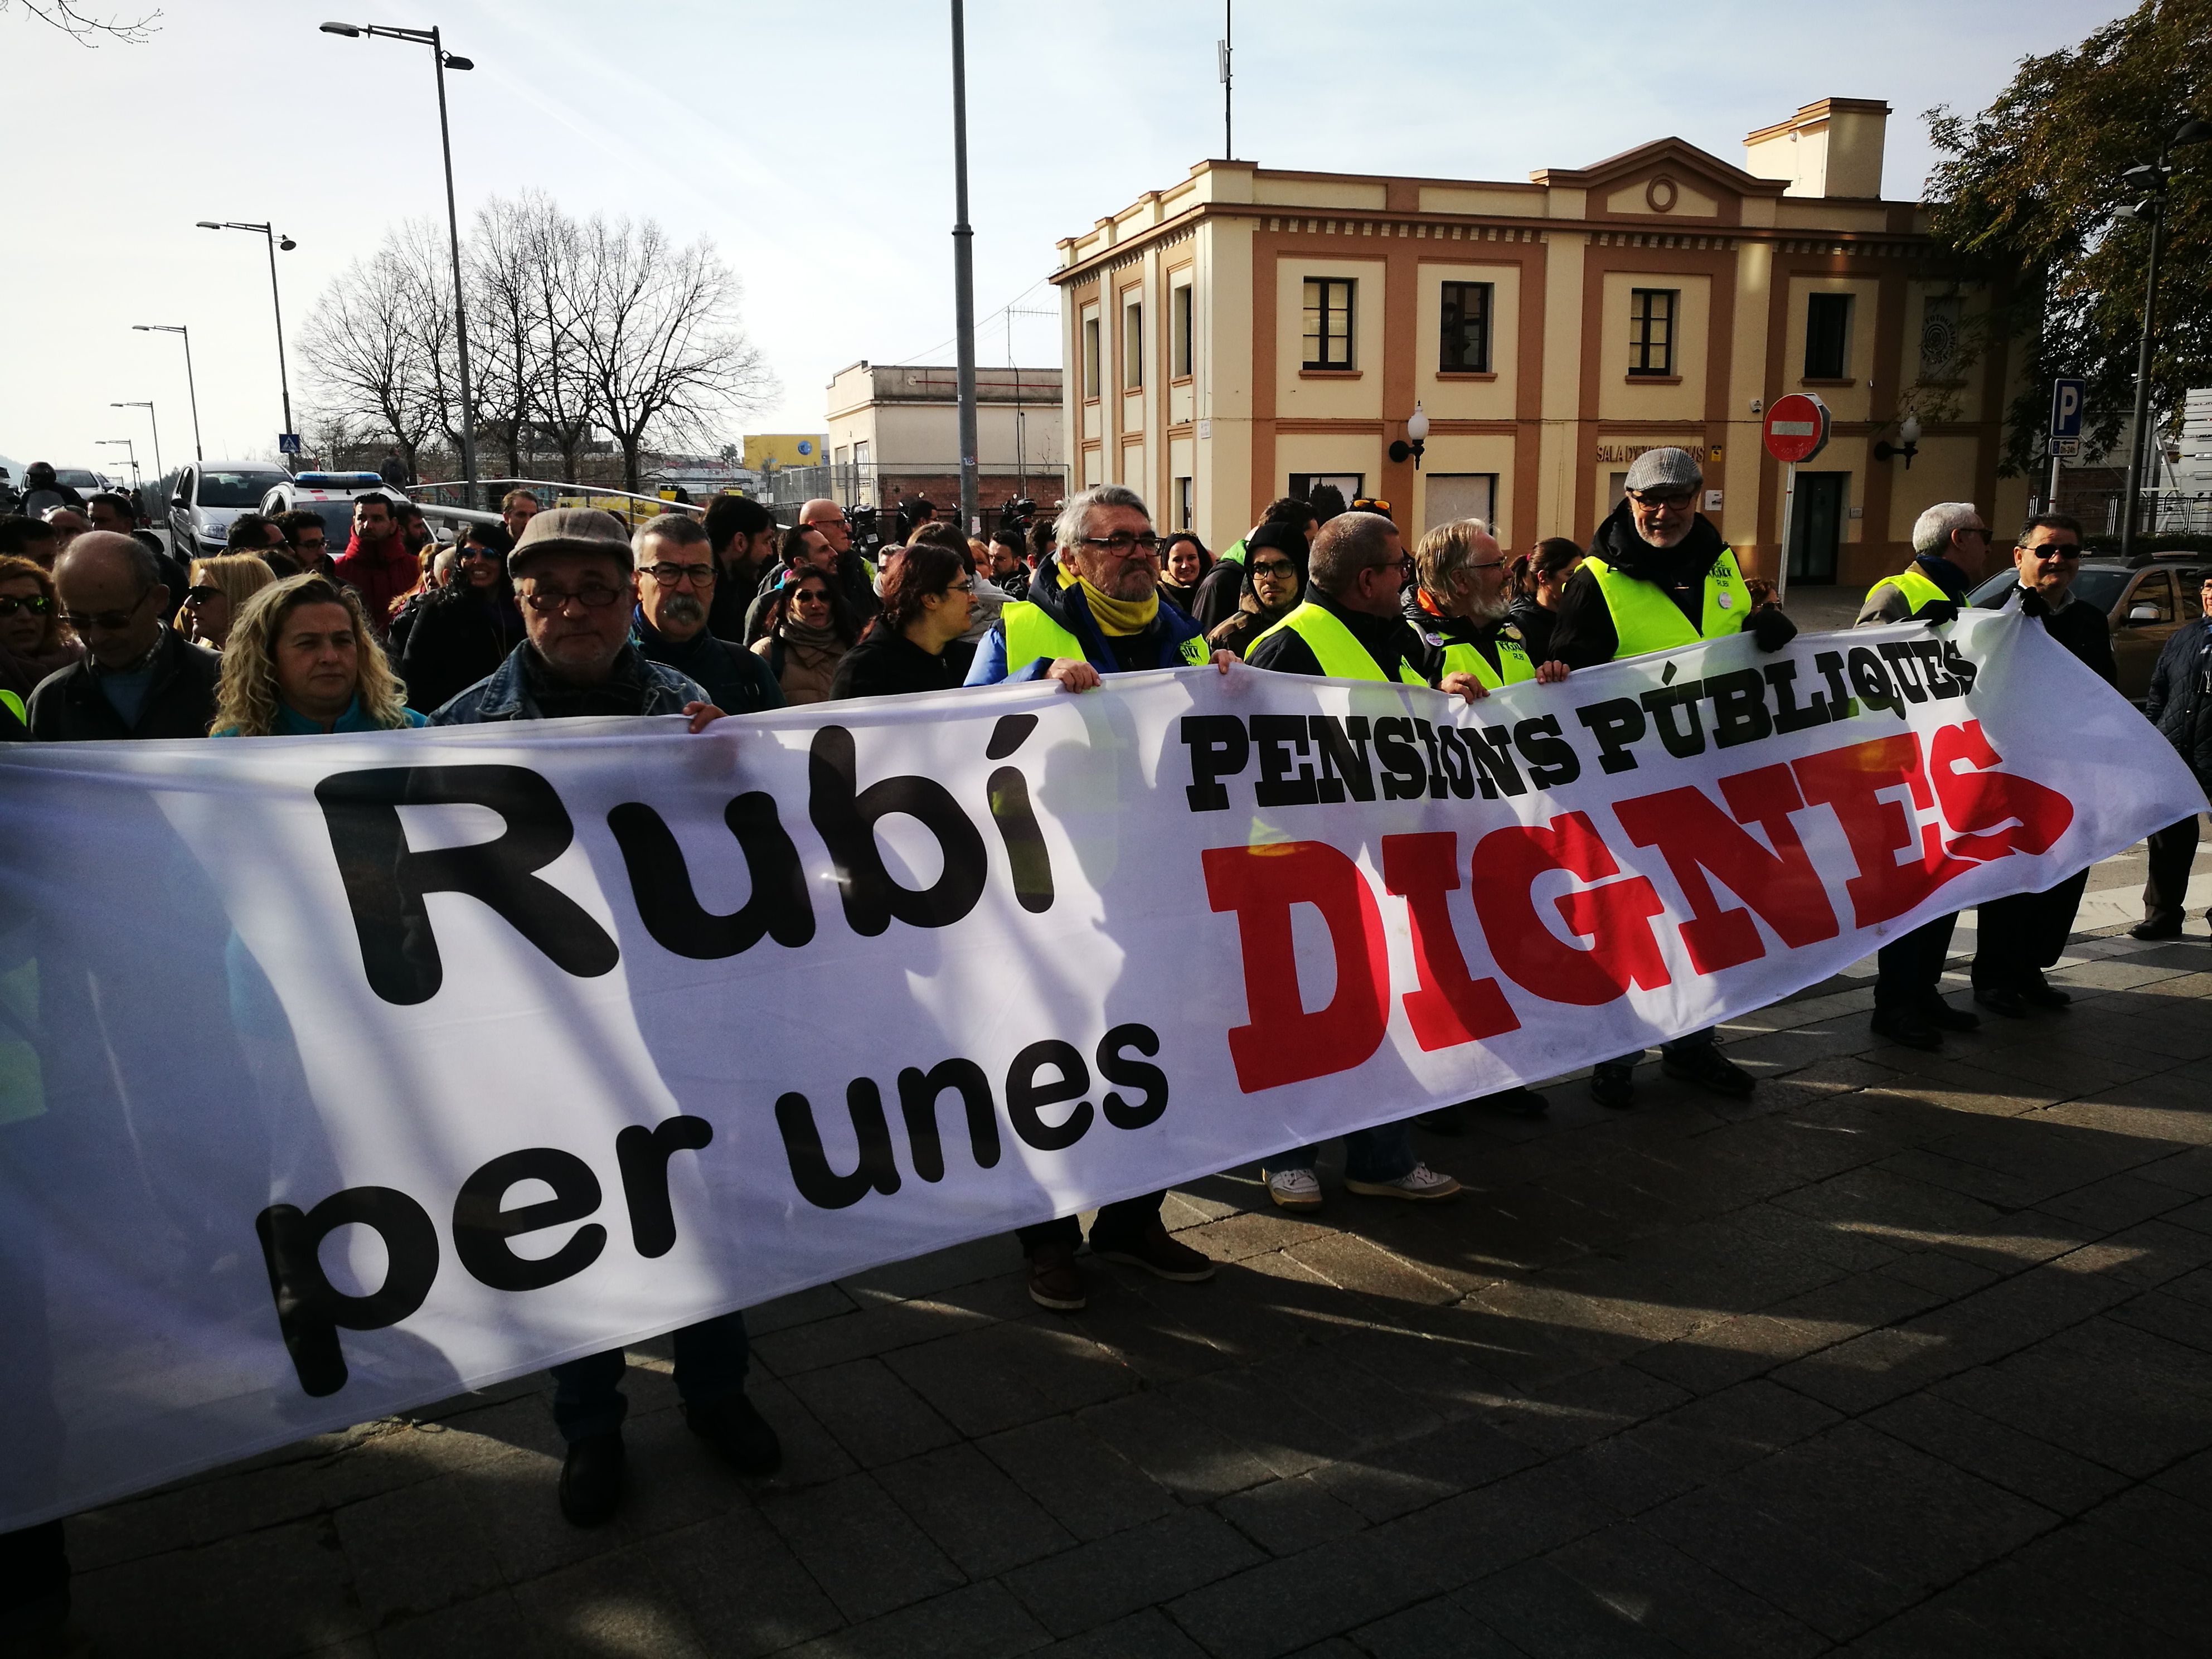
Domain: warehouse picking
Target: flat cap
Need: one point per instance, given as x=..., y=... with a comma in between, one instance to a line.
x=571, y=530
x=1664, y=469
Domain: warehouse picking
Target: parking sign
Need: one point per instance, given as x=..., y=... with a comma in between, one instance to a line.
x=2066, y=408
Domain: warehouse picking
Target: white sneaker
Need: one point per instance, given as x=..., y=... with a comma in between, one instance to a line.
x=1295, y=1190
x=1420, y=1183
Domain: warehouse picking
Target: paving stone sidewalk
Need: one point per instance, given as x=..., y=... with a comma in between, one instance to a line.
x=1909, y=1354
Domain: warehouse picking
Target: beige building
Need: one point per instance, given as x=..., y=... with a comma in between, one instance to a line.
x=1249, y=333
x=895, y=433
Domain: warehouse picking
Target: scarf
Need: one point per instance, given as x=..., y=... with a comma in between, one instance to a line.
x=1119, y=618
x=807, y=638
x=21, y=671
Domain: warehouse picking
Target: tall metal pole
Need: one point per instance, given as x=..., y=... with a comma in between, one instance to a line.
x=192, y=390
x=1228, y=79
x=159, y=471
x=283, y=378
x=2139, y=448
x=964, y=274
x=461, y=300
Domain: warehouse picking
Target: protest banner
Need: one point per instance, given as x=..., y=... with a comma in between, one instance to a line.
x=338, y=1075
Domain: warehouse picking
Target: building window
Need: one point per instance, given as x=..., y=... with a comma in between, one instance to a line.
x=1329, y=322
x=1183, y=496
x=1090, y=356
x=1132, y=344
x=1939, y=336
x=1651, y=330
x=1827, y=336
x=1350, y=485
x=1179, y=347
x=1466, y=329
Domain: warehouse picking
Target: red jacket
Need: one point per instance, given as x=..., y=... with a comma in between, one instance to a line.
x=381, y=575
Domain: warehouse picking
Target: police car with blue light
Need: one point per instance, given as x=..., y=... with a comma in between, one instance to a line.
x=330, y=497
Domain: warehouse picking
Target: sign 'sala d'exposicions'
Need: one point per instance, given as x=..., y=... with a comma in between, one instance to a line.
x=339, y=1074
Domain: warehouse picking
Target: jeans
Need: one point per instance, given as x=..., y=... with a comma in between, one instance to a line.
x=2023, y=933
x=710, y=1365
x=1695, y=1040
x=2172, y=850
x=1116, y=1224
x=1912, y=966
x=1381, y=1153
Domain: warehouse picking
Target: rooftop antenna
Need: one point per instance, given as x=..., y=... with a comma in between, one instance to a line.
x=1222, y=51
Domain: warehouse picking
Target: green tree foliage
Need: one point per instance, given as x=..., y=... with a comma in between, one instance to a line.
x=2028, y=194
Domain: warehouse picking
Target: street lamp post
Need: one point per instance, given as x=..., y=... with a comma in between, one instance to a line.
x=130, y=453
x=198, y=453
x=442, y=61
x=964, y=276
x=2151, y=180
x=283, y=379
x=159, y=471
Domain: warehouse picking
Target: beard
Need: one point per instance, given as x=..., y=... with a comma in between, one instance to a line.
x=682, y=609
x=1492, y=609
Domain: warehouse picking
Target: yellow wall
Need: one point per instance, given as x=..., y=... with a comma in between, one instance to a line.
x=1618, y=398
x=764, y=449
x=1845, y=402
x=1468, y=400
x=1299, y=398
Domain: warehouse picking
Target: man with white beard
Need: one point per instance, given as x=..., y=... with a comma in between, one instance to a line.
x=677, y=572
x=1457, y=603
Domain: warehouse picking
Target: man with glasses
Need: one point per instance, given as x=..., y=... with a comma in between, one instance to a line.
x=676, y=578
x=307, y=544
x=1659, y=577
x=854, y=574
x=1351, y=626
x=571, y=573
x=2022, y=934
x=1950, y=550
x=1094, y=609
x=1950, y=544
x=138, y=678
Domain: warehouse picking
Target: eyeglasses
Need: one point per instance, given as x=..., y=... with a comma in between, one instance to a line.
x=111, y=621
x=1495, y=564
x=812, y=596
x=2052, y=551
x=546, y=602
x=1662, y=497
x=468, y=552
x=840, y=522
x=1275, y=568
x=37, y=604
x=196, y=596
x=1397, y=566
x=668, y=574
x=1122, y=542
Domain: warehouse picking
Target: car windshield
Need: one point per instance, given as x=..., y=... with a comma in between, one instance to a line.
x=237, y=488
x=77, y=478
x=338, y=520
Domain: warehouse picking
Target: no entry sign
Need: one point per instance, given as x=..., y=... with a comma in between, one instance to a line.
x=1797, y=427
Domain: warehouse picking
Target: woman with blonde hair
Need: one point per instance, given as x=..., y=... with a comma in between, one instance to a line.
x=34, y=641
x=303, y=660
x=219, y=589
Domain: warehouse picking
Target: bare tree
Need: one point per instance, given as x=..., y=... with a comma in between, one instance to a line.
x=82, y=27
x=564, y=398
x=503, y=318
x=373, y=345
x=666, y=359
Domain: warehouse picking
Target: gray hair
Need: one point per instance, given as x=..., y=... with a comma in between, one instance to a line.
x=442, y=564
x=1444, y=552
x=677, y=529
x=1931, y=531
x=1075, y=512
x=1347, y=546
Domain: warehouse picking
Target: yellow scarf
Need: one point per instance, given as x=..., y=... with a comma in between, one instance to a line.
x=1119, y=618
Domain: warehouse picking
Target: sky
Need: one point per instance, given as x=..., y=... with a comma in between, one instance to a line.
x=811, y=143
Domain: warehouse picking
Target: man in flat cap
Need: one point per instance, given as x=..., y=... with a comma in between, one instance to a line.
x=1659, y=576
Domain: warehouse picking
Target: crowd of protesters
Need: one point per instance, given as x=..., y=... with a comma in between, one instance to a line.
x=564, y=613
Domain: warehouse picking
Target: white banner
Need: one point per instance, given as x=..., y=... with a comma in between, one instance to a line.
x=340, y=1074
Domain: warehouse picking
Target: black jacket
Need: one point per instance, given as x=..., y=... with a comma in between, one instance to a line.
x=1389, y=640
x=2180, y=700
x=2082, y=628
x=885, y=665
x=1535, y=624
x=737, y=681
x=1584, y=636
x=68, y=706
x=455, y=639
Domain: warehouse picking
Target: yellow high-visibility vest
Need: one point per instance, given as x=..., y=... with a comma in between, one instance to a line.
x=1031, y=634
x=1645, y=619
x=1336, y=647
x=1919, y=589
x=1513, y=664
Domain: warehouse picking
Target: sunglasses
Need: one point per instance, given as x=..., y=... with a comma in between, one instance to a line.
x=196, y=596
x=37, y=604
x=464, y=552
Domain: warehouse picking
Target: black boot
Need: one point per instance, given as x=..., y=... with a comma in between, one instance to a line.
x=591, y=1480
x=733, y=1427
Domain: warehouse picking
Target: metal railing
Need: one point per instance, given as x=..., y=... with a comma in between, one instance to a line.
x=629, y=506
x=882, y=483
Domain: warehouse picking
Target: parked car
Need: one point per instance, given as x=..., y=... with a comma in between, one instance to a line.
x=2145, y=602
x=209, y=495
x=331, y=496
